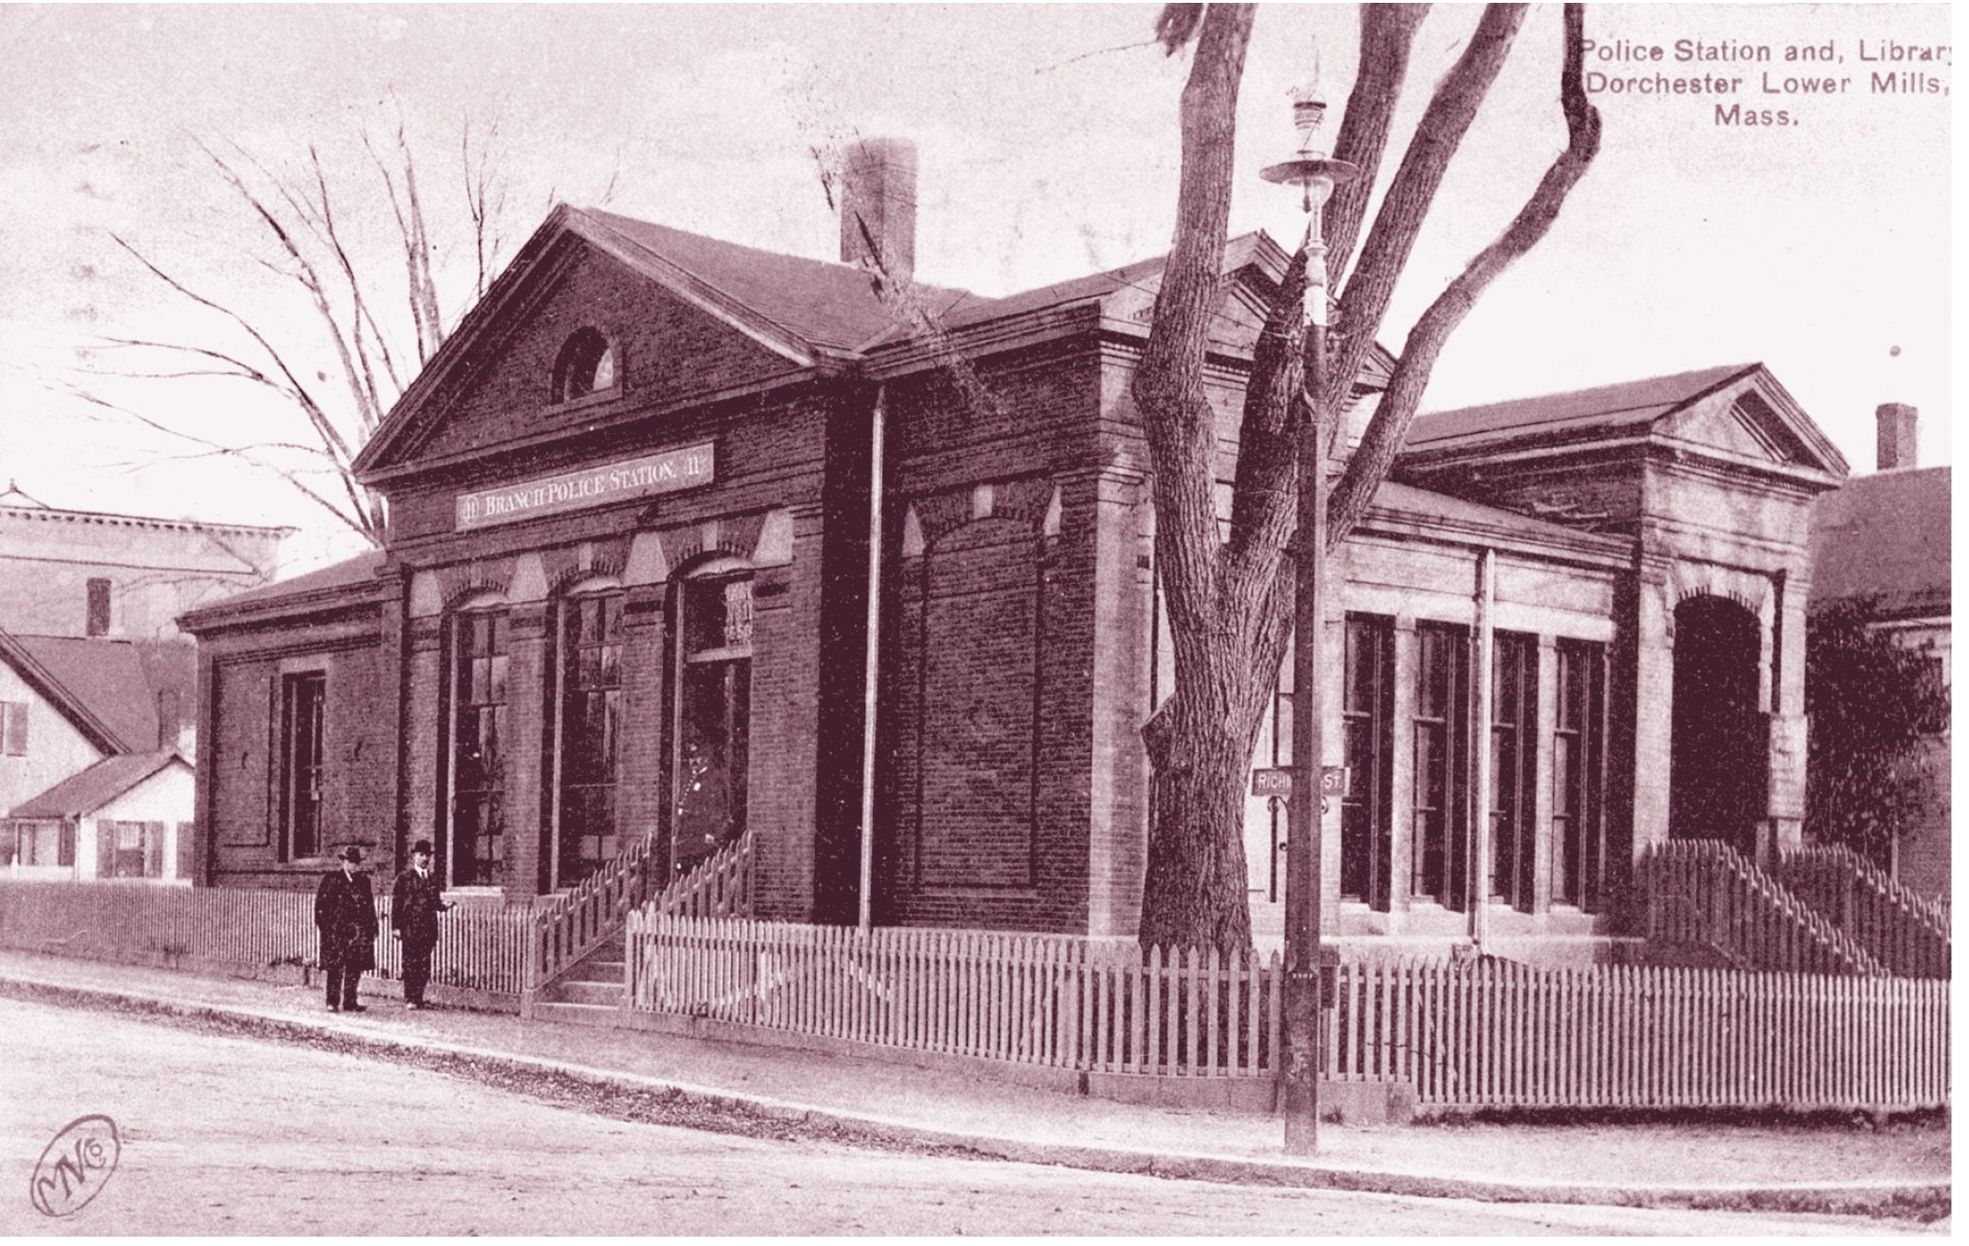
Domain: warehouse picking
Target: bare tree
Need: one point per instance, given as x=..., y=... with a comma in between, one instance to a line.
x=377, y=333
x=1230, y=598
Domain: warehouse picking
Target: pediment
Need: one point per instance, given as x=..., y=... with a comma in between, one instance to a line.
x=1754, y=419
x=1235, y=329
x=492, y=384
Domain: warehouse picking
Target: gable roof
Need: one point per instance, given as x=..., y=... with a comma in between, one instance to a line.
x=808, y=311
x=107, y=688
x=1885, y=536
x=86, y=791
x=827, y=305
x=1629, y=408
x=1623, y=405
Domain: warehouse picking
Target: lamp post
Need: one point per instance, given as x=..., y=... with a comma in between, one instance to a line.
x=1316, y=173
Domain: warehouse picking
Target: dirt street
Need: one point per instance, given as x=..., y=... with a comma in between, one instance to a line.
x=231, y=1135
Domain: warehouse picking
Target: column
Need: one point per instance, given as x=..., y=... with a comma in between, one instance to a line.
x=1786, y=644
x=1117, y=841
x=1543, y=721
x=1401, y=797
x=1480, y=747
x=1647, y=769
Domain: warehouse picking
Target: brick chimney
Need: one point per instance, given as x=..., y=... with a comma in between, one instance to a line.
x=878, y=205
x=1895, y=447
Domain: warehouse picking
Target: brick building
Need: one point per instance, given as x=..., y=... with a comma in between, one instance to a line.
x=627, y=590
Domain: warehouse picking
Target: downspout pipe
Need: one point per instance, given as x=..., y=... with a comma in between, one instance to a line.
x=871, y=657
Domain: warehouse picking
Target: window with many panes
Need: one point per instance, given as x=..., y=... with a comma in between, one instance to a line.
x=303, y=713
x=1579, y=773
x=1367, y=722
x=589, y=730
x=713, y=713
x=130, y=849
x=477, y=847
x=1513, y=766
x=1439, y=860
x=37, y=842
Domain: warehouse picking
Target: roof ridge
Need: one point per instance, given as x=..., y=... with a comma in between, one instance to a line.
x=1732, y=369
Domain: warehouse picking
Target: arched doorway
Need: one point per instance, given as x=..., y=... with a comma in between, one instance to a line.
x=1716, y=775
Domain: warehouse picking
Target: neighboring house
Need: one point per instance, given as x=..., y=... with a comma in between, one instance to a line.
x=89, y=573
x=94, y=731
x=625, y=596
x=1883, y=539
x=122, y=818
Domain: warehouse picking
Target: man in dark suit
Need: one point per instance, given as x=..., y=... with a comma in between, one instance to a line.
x=345, y=914
x=414, y=907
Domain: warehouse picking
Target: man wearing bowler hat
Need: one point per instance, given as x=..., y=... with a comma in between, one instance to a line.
x=414, y=907
x=345, y=914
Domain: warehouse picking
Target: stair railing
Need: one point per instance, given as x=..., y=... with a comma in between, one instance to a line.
x=718, y=886
x=1901, y=930
x=567, y=926
x=1704, y=892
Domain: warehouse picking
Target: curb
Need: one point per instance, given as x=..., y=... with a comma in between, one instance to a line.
x=1922, y=1200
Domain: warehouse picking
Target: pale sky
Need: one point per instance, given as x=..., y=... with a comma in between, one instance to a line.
x=1817, y=248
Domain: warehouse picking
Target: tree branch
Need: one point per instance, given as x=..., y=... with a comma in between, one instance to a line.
x=1168, y=385
x=1454, y=106
x=1387, y=32
x=1376, y=454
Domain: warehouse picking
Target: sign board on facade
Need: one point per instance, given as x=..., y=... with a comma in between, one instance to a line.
x=622, y=481
x=1277, y=781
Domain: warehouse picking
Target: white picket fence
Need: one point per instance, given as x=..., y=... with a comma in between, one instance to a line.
x=1487, y=1034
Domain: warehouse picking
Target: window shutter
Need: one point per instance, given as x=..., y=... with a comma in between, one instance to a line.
x=65, y=852
x=153, y=850
x=13, y=724
x=105, y=850
x=186, y=858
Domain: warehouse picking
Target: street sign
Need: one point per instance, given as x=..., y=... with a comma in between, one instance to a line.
x=1277, y=781
x=1273, y=781
x=1334, y=780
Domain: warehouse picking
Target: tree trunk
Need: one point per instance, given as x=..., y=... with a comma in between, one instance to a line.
x=1195, y=893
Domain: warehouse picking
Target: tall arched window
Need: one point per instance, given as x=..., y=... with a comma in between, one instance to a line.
x=713, y=711
x=586, y=365
x=587, y=732
x=476, y=849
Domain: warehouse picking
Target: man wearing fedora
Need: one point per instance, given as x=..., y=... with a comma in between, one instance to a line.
x=345, y=914
x=414, y=907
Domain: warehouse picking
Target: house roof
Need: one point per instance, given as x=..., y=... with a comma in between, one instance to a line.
x=85, y=792
x=107, y=688
x=1885, y=536
x=825, y=304
x=349, y=573
x=1601, y=407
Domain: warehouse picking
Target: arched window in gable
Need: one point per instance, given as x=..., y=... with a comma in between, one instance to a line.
x=586, y=365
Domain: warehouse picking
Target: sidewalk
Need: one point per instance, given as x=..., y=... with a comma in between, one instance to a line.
x=1902, y=1171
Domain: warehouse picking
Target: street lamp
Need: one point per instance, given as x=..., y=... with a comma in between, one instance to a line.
x=1316, y=173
